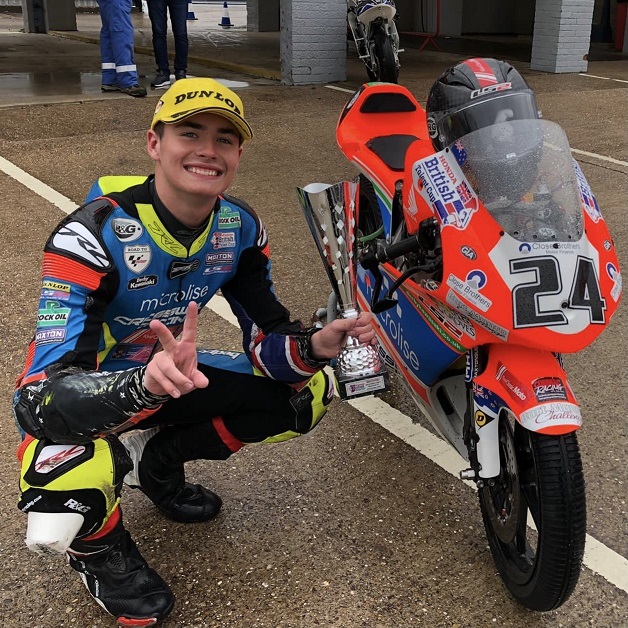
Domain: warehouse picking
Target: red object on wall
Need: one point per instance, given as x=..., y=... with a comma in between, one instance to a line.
x=620, y=24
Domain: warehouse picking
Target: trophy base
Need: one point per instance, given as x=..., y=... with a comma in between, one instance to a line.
x=352, y=387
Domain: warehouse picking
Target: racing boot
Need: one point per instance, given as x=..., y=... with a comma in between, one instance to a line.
x=158, y=456
x=119, y=579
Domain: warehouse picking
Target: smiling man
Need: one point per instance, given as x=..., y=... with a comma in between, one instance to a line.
x=123, y=277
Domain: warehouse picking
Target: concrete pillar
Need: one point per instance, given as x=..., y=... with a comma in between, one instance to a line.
x=562, y=35
x=35, y=16
x=262, y=15
x=61, y=15
x=313, y=41
x=41, y=16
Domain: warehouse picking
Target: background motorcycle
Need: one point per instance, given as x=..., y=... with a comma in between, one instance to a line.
x=372, y=25
x=475, y=297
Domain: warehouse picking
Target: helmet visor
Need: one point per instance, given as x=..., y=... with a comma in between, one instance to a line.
x=486, y=112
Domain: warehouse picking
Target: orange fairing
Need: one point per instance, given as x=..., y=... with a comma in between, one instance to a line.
x=534, y=386
x=376, y=128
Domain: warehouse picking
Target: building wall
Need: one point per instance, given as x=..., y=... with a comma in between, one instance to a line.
x=313, y=41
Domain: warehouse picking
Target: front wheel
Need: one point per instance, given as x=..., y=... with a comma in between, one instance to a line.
x=540, y=475
x=387, y=70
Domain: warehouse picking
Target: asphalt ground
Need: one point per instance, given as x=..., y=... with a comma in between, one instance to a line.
x=349, y=526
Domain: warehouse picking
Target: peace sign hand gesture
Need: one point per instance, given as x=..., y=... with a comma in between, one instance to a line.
x=174, y=371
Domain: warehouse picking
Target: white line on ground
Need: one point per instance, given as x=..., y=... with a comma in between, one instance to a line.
x=603, y=78
x=597, y=557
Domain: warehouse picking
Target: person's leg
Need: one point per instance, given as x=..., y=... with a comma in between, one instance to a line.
x=107, y=60
x=178, y=18
x=237, y=408
x=58, y=481
x=122, y=42
x=157, y=12
x=118, y=577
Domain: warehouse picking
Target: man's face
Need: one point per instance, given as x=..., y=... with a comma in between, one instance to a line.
x=197, y=157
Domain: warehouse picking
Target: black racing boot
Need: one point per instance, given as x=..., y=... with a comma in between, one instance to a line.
x=158, y=459
x=119, y=579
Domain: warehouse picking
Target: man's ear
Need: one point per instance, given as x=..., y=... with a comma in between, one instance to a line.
x=152, y=144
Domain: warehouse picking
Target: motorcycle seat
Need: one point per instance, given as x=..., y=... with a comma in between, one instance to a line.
x=391, y=149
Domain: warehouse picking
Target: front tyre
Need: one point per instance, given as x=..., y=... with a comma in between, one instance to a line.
x=540, y=475
x=387, y=70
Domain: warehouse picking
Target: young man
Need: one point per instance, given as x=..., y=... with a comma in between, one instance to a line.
x=117, y=40
x=122, y=277
x=158, y=11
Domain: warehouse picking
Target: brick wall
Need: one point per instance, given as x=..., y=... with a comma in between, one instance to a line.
x=562, y=34
x=316, y=51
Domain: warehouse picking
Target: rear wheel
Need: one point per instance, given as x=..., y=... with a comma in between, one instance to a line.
x=387, y=71
x=540, y=475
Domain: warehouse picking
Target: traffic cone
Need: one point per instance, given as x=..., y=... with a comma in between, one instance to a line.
x=225, y=22
x=191, y=15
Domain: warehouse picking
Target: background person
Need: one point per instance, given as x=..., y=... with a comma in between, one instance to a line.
x=158, y=11
x=122, y=277
x=119, y=72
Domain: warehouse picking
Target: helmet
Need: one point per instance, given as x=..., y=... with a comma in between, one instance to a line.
x=479, y=93
x=475, y=94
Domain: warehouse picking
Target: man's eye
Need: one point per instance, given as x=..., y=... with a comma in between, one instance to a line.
x=225, y=140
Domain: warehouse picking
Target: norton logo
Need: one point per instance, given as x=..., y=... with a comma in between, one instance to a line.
x=204, y=94
x=126, y=230
x=178, y=269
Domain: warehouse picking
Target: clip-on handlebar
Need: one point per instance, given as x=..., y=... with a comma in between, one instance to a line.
x=426, y=239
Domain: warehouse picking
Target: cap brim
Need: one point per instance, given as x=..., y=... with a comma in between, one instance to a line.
x=240, y=124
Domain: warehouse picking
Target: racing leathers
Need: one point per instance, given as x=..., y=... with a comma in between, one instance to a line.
x=121, y=261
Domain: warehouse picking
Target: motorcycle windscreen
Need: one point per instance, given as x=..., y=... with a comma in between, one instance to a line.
x=523, y=172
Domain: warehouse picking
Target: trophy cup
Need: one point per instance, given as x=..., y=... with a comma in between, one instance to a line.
x=331, y=212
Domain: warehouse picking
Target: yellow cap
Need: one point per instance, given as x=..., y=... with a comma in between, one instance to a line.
x=190, y=96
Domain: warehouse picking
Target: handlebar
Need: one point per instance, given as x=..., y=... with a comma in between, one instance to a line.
x=423, y=240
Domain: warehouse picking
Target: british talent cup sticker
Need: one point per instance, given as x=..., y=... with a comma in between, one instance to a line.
x=588, y=198
x=439, y=180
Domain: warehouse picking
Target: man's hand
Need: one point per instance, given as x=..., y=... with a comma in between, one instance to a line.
x=173, y=371
x=327, y=343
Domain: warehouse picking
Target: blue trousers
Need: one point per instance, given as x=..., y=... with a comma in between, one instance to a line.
x=158, y=13
x=116, y=43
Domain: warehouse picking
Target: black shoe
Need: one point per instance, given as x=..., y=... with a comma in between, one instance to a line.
x=165, y=485
x=192, y=503
x=121, y=581
x=179, y=74
x=161, y=81
x=134, y=90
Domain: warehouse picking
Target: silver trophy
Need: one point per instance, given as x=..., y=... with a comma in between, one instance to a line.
x=331, y=212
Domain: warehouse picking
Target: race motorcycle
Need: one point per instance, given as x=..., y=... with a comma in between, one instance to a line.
x=372, y=25
x=480, y=276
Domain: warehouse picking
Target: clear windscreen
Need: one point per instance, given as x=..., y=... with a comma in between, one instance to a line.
x=523, y=172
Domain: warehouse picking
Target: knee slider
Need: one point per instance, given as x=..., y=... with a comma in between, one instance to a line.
x=81, y=479
x=311, y=402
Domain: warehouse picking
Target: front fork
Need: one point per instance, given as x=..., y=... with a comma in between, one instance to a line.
x=529, y=384
x=363, y=39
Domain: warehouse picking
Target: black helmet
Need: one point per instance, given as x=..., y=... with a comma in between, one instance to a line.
x=481, y=93
x=470, y=96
